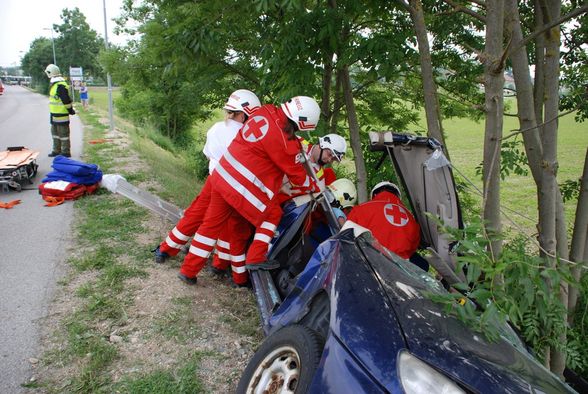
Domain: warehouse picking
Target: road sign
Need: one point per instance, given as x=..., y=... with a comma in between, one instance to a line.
x=76, y=72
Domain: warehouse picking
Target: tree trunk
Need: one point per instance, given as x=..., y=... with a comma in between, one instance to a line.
x=433, y=114
x=326, y=88
x=579, y=238
x=354, y=136
x=539, y=64
x=494, y=106
x=337, y=103
x=327, y=79
x=524, y=88
x=547, y=207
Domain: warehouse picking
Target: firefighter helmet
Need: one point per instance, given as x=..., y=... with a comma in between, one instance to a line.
x=385, y=185
x=303, y=111
x=345, y=192
x=52, y=71
x=242, y=100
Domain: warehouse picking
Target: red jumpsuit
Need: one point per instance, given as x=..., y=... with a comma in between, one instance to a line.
x=264, y=233
x=218, y=138
x=245, y=182
x=390, y=223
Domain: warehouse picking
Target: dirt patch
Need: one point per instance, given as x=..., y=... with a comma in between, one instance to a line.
x=166, y=322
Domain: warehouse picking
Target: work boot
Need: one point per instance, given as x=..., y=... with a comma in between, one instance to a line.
x=53, y=154
x=246, y=285
x=265, y=266
x=186, y=280
x=217, y=272
x=66, y=154
x=160, y=256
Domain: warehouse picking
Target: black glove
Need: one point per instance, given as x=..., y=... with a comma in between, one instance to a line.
x=71, y=111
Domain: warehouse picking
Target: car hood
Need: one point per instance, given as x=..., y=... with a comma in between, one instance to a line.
x=445, y=342
x=429, y=188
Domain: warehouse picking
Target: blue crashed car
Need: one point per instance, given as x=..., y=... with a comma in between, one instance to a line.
x=344, y=315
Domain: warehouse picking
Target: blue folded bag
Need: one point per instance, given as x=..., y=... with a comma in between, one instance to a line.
x=73, y=167
x=69, y=170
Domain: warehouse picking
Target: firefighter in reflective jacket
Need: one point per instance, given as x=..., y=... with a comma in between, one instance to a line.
x=249, y=176
x=331, y=147
x=60, y=107
x=240, y=105
x=389, y=221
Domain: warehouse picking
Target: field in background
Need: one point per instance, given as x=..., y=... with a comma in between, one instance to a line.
x=465, y=144
x=99, y=96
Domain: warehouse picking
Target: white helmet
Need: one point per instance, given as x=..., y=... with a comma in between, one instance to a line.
x=387, y=186
x=304, y=111
x=52, y=71
x=243, y=100
x=335, y=143
x=344, y=191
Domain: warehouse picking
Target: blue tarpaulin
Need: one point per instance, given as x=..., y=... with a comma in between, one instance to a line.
x=66, y=169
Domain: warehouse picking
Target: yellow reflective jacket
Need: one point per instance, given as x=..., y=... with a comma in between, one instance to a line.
x=59, y=111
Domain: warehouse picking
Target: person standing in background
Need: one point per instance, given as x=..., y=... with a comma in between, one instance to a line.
x=84, y=95
x=60, y=108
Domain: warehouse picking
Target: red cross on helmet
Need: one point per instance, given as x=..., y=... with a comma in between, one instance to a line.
x=304, y=111
x=242, y=100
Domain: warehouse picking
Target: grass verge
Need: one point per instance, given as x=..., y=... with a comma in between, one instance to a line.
x=126, y=325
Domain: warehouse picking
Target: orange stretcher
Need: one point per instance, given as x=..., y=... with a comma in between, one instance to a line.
x=17, y=165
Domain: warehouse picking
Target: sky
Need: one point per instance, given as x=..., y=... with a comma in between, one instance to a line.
x=24, y=20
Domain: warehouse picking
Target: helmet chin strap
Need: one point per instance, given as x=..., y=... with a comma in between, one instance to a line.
x=320, y=161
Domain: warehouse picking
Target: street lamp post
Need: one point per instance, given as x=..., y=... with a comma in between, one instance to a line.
x=52, y=44
x=109, y=82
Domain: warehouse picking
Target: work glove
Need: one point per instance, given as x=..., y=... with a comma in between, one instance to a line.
x=71, y=111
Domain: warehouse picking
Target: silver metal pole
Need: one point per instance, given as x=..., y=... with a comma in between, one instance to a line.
x=52, y=44
x=108, y=80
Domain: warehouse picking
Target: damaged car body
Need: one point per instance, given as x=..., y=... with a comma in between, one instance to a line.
x=342, y=314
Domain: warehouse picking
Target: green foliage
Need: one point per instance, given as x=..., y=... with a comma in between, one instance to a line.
x=517, y=287
x=570, y=189
x=39, y=55
x=76, y=44
x=513, y=159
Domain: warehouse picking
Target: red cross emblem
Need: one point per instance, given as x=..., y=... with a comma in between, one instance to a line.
x=396, y=215
x=255, y=129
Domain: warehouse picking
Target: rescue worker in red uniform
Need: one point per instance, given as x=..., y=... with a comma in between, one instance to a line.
x=389, y=221
x=331, y=147
x=239, y=106
x=249, y=176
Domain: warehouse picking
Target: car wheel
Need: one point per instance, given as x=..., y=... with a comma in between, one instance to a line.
x=285, y=362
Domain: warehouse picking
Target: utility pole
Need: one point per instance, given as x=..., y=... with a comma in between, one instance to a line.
x=108, y=80
x=52, y=44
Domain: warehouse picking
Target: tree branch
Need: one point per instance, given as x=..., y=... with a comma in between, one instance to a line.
x=465, y=10
x=516, y=132
x=576, y=12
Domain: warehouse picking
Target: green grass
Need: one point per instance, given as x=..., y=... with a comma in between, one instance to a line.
x=99, y=96
x=183, y=380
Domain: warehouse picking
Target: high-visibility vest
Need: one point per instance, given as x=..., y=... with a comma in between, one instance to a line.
x=58, y=110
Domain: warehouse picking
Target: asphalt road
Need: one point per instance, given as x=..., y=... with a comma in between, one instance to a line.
x=33, y=238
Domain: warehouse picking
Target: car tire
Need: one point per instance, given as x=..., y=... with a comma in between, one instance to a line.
x=285, y=362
